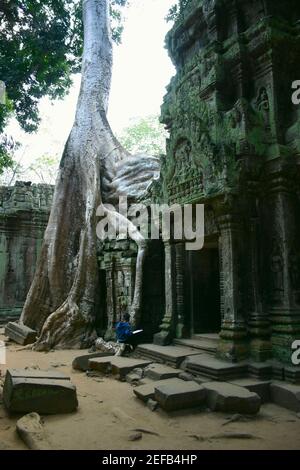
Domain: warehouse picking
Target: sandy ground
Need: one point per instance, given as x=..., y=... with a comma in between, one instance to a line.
x=109, y=412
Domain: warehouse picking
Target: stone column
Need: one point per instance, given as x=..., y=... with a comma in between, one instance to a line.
x=180, y=324
x=258, y=322
x=283, y=264
x=167, y=328
x=110, y=299
x=233, y=337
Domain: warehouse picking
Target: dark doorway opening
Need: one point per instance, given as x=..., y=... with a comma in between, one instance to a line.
x=205, y=306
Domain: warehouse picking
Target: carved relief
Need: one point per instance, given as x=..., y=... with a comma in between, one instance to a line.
x=263, y=106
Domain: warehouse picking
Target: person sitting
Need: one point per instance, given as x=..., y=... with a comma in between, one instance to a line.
x=125, y=335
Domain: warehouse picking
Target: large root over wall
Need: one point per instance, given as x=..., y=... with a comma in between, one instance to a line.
x=94, y=169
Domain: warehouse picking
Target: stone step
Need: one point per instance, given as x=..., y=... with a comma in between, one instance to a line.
x=175, y=394
x=261, y=387
x=158, y=371
x=231, y=398
x=213, y=368
x=286, y=395
x=204, y=345
x=43, y=392
x=170, y=355
x=117, y=365
x=147, y=391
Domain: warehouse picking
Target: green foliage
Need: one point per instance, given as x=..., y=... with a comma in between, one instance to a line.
x=145, y=135
x=41, y=44
x=176, y=10
x=7, y=147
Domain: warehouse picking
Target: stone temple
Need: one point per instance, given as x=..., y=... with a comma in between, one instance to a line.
x=234, y=146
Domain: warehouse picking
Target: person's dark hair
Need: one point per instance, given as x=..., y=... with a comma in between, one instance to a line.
x=126, y=317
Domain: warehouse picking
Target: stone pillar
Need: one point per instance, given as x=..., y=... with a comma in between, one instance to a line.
x=180, y=324
x=258, y=321
x=110, y=299
x=233, y=337
x=167, y=328
x=283, y=264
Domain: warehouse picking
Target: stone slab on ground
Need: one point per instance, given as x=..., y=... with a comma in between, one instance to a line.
x=222, y=396
x=175, y=394
x=147, y=391
x=117, y=365
x=82, y=362
x=20, y=333
x=261, y=387
x=169, y=355
x=158, y=371
x=213, y=368
x=43, y=392
x=286, y=395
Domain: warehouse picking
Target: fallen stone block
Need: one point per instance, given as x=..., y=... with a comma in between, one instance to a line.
x=146, y=392
x=44, y=392
x=20, y=333
x=161, y=372
x=82, y=362
x=176, y=394
x=261, y=387
x=32, y=432
x=117, y=365
x=152, y=405
x=286, y=395
x=230, y=398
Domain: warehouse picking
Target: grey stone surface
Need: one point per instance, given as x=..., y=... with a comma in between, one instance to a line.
x=230, y=398
x=147, y=391
x=213, y=368
x=186, y=376
x=152, y=405
x=117, y=365
x=286, y=395
x=43, y=392
x=176, y=394
x=82, y=362
x=261, y=387
x=169, y=355
x=20, y=334
x=161, y=372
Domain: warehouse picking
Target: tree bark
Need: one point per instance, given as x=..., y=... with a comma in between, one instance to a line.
x=63, y=297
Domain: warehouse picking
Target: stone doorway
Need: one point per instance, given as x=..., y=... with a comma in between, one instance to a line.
x=204, y=291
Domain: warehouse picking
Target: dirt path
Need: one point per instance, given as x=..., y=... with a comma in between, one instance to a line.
x=109, y=412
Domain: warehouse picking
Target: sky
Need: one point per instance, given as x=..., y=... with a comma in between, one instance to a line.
x=141, y=72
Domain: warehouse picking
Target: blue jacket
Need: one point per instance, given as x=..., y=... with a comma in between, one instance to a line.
x=123, y=331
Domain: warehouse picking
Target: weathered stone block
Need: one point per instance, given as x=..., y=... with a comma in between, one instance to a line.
x=230, y=398
x=82, y=362
x=161, y=372
x=19, y=333
x=43, y=392
x=261, y=387
x=176, y=394
x=117, y=365
x=286, y=395
x=146, y=392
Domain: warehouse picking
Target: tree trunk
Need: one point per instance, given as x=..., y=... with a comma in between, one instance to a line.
x=63, y=298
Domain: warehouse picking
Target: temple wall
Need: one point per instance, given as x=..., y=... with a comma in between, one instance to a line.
x=24, y=212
